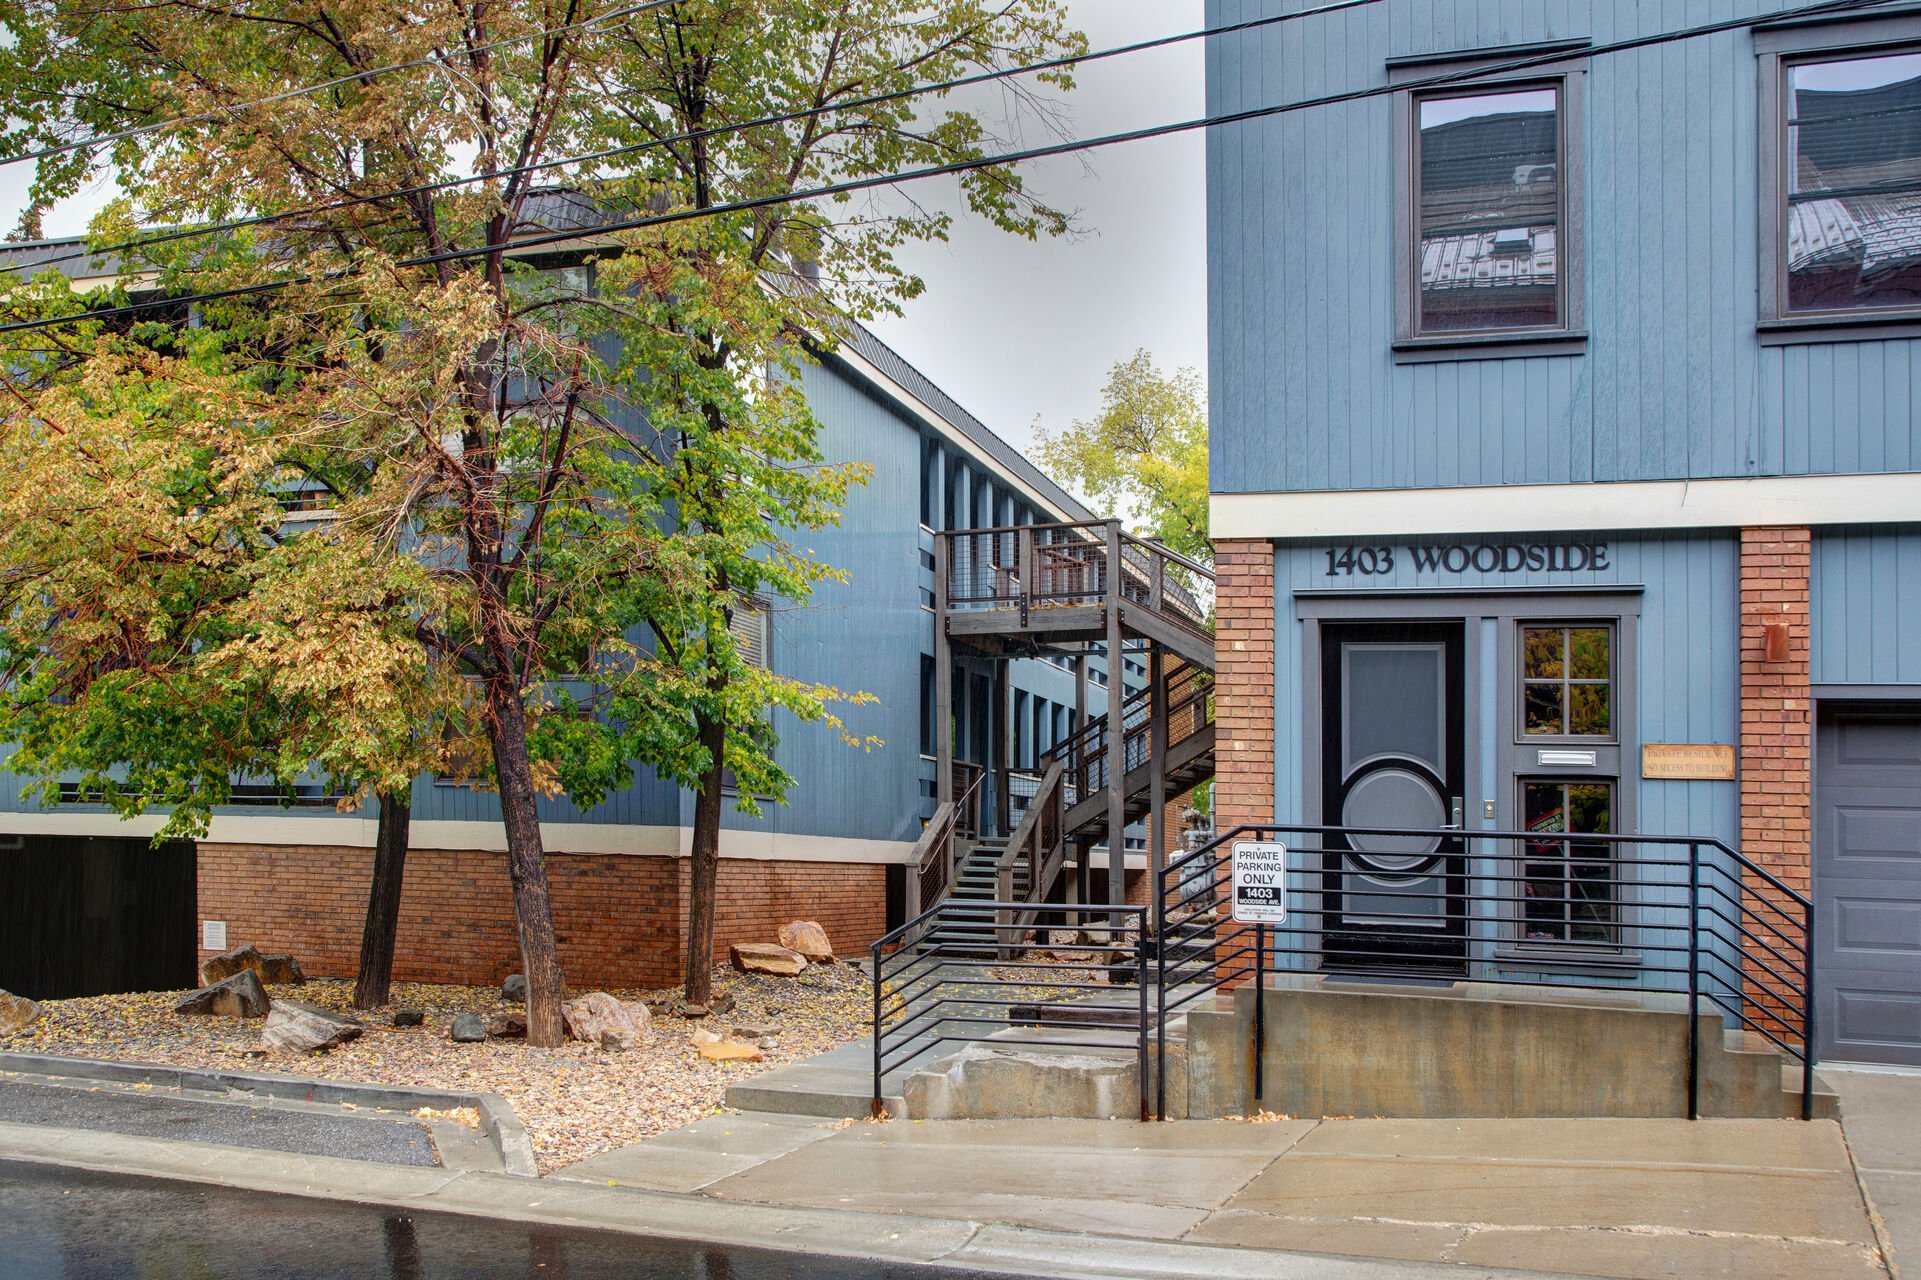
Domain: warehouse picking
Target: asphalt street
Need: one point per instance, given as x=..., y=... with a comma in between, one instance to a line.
x=65, y=1224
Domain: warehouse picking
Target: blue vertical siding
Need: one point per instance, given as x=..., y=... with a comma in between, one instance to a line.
x=1684, y=691
x=1866, y=606
x=1674, y=382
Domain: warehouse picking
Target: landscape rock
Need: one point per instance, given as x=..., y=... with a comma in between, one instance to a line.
x=277, y=970
x=515, y=988
x=467, y=1029
x=15, y=1013
x=410, y=1017
x=694, y=1009
x=237, y=996
x=755, y=1032
x=761, y=957
x=599, y=1018
x=507, y=1026
x=722, y=1005
x=730, y=1051
x=808, y=938
x=294, y=1027
x=701, y=1035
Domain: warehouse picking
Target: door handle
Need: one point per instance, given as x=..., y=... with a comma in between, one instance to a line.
x=1458, y=823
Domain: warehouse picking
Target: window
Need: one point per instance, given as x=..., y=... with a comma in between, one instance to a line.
x=1848, y=234
x=1568, y=887
x=1488, y=207
x=1567, y=681
x=747, y=620
x=927, y=743
x=1488, y=211
x=930, y=483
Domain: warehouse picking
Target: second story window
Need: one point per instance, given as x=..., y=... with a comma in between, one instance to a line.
x=1488, y=211
x=1851, y=204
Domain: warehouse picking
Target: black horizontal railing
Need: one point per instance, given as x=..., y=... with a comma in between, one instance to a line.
x=1547, y=908
x=939, y=979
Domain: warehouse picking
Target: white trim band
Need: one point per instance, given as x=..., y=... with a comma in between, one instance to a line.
x=1890, y=498
x=486, y=837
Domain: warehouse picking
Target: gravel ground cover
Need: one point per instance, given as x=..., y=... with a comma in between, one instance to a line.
x=576, y=1101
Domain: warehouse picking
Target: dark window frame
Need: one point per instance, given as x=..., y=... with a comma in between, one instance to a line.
x=1777, y=50
x=1568, y=79
x=1603, y=854
x=1567, y=626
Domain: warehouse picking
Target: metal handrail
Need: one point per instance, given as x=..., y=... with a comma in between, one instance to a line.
x=934, y=851
x=1036, y=841
x=941, y=1003
x=1084, y=751
x=1670, y=929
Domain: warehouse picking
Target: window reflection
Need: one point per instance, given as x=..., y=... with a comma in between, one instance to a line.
x=1567, y=684
x=1854, y=183
x=1490, y=211
x=1569, y=888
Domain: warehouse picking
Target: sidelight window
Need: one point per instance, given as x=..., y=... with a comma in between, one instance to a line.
x=1569, y=888
x=1567, y=681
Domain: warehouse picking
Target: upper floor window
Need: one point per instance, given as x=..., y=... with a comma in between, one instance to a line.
x=1850, y=233
x=1488, y=209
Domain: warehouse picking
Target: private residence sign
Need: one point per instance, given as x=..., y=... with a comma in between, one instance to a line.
x=1699, y=762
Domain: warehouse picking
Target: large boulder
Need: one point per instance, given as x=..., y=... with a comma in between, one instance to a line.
x=599, y=1018
x=514, y=989
x=274, y=970
x=467, y=1029
x=762, y=957
x=293, y=1027
x=15, y=1013
x=808, y=938
x=507, y=1026
x=238, y=996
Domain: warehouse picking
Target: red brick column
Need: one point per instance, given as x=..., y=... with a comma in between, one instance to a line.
x=1243, y=682
x=1777, y=737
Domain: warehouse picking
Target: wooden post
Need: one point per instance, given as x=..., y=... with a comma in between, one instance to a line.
x=1157, y=777
x=1116, y=731
x=943, y=680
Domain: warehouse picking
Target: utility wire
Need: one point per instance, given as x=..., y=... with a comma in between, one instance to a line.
x=1466, y=75
x=697, y=135
x=646, y=6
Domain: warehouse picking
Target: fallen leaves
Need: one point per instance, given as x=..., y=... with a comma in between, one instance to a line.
x=576, y=1100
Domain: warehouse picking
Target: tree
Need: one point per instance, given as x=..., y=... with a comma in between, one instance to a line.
x=525, y=499
x=1145, y=455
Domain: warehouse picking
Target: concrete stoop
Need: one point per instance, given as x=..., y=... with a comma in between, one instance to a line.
x=1476, y=1050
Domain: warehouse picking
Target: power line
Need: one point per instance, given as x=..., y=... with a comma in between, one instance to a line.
x=1466, y=75
x=158, y=125
x=697, y=135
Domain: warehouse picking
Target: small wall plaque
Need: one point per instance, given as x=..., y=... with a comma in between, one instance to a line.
x=213, y=935
x=1709, y=762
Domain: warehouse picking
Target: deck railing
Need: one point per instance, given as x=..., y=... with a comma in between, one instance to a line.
x=1677, y=914
x=1190, y=709
x=936, y=856
x=1031, y=567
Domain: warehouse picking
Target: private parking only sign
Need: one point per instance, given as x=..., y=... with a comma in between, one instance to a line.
x=1260, y=882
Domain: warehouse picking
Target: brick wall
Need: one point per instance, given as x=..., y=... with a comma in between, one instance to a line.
x=1777, y=719
x=1243, y=682
x=619, y=920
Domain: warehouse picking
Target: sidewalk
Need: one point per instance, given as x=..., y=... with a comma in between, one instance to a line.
x=1881, y=1113
x=1629, y=1198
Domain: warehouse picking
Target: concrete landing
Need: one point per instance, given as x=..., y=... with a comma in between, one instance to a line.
x=836, y=1085
x=1623, y=1198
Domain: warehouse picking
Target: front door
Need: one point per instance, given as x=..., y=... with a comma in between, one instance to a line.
x=1392, y=751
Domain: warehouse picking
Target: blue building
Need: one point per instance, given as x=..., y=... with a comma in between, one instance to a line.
x=838, y=851
x=1566, y=409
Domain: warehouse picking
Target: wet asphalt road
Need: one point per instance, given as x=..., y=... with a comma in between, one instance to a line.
x=232, y=1124
x=64, y=1224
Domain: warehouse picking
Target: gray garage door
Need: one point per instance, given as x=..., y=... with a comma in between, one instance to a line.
x=1867, y=884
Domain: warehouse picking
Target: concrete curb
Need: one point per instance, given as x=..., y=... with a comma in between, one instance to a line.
x=844, y=1233
x=497, y=1118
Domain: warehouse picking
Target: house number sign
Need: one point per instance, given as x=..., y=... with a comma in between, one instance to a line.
x=1463, y=557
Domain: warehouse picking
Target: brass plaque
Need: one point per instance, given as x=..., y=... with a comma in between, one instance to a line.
x=1712, y=762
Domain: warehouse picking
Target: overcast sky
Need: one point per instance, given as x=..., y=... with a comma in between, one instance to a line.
x=1016, y=330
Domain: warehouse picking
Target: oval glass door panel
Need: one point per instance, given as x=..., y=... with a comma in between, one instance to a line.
x=1393, y=796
